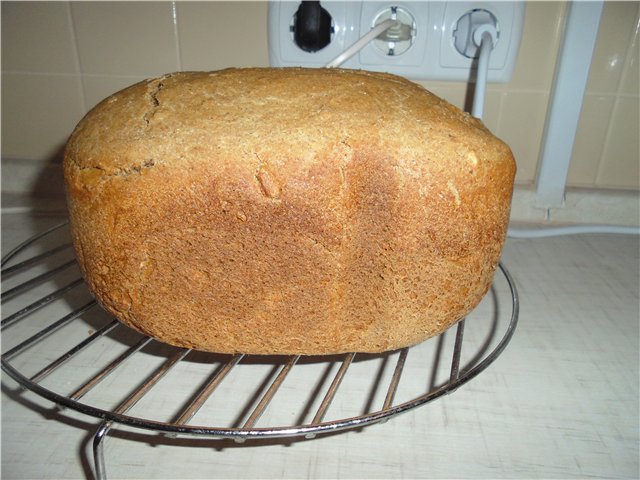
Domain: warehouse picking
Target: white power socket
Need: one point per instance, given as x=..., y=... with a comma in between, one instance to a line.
x=431, y=53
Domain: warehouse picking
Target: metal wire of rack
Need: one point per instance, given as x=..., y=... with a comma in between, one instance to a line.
x=132, y=372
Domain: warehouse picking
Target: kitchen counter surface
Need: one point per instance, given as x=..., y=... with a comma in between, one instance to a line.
x=561, y=401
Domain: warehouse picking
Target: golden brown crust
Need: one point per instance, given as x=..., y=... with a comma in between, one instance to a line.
x=273, y=211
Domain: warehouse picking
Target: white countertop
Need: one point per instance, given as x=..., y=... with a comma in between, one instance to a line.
x=560, y=402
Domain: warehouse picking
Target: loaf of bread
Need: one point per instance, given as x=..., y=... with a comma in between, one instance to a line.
x=286, y=211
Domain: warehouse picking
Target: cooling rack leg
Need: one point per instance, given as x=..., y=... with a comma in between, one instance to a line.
x=457, y=350
x=98, y=450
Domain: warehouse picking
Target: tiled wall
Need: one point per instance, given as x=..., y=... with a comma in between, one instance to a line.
x=606, y=152
x=60, y=58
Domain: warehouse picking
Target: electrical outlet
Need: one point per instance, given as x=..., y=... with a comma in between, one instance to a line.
x=429, y=52
x=283, y=51
x=408, y=62
x=509, y=18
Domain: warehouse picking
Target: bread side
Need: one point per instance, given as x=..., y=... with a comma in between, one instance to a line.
x=273, y=211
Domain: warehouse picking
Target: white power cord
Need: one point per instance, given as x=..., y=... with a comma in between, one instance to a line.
x=362, y=42
x=544, y=232
x=485, y=37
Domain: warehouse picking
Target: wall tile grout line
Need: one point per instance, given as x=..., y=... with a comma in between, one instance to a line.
x=176, y=34
x=76, y=56
x=627, y=60
x=503, y=95
x=607, y=139
x=39, y=74
x=83, y=75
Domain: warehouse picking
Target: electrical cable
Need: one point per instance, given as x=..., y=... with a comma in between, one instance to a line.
x=362, y=42
x=545, y=232
x=486, y=45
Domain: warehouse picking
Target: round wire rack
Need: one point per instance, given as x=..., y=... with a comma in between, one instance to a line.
x=61, y=345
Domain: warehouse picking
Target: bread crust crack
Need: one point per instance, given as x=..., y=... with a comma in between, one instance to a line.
x=155, y=88
x=120, y=171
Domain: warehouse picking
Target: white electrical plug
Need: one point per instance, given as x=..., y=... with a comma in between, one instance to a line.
x=465, y=39
x=485, y=37
x=481, y=30
x=400, y=37
x=362, y=42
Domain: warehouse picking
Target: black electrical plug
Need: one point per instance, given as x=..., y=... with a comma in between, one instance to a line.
x=312, y=26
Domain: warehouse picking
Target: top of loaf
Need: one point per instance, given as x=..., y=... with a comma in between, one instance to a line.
x=181, y=116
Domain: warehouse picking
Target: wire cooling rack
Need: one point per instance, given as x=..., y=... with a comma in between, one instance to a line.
x=61, y=345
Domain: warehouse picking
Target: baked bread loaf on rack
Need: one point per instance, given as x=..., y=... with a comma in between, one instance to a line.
x=286, y=211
